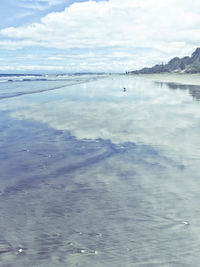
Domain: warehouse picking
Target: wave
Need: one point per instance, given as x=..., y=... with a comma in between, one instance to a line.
x=6, y=78
x=16, y=91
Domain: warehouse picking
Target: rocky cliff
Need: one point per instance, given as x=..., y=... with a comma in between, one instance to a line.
x=186, y=65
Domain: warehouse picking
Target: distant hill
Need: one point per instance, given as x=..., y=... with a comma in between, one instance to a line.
x=183, y=65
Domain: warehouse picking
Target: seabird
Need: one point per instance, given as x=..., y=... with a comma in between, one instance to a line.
x=186, y=223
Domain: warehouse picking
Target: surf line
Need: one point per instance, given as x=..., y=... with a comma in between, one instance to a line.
x=49, y=89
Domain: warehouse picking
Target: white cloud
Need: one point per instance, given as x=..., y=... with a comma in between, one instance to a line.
x=13, y=45
x=31, y=68
x=38, y=4
x=161, y=28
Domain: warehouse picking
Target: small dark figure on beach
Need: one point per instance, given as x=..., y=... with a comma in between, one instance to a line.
x=124, y=89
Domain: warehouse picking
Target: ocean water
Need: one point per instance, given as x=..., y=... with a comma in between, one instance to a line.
x=92, y=175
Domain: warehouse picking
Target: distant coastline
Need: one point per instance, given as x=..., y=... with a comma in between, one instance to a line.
x=175, y=65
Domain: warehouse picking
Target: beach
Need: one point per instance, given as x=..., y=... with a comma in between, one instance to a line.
x=92, y=175
x=180, y=78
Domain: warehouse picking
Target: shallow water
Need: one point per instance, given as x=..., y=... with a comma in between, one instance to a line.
x=94, y=176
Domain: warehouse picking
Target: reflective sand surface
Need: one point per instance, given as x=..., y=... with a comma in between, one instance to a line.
x=95, y=176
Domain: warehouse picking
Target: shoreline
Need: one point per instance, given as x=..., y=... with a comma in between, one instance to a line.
x=179, y=78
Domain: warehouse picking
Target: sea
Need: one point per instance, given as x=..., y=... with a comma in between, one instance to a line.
x=99, y=170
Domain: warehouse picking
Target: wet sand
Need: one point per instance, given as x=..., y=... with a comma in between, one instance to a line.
x=181, y=78
x=94, y=176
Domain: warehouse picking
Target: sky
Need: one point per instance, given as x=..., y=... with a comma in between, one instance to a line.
x=61, y=36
